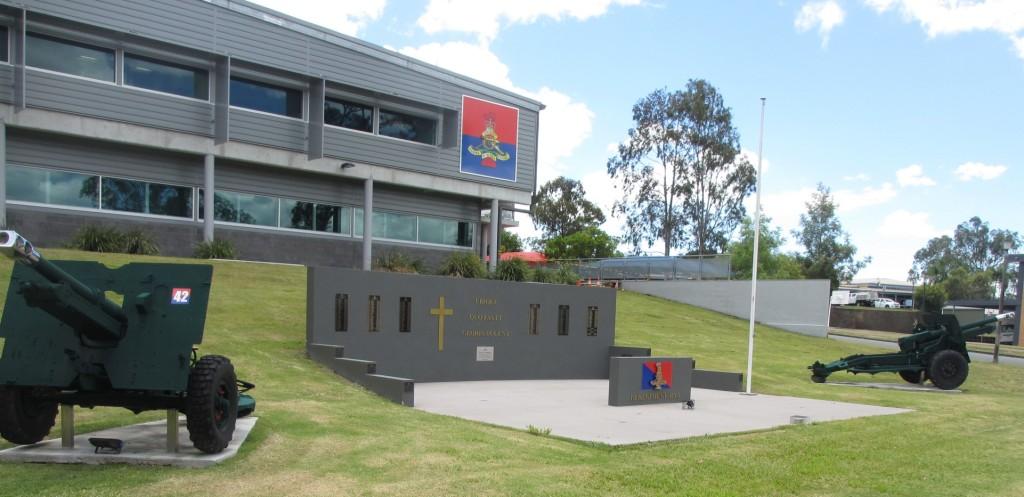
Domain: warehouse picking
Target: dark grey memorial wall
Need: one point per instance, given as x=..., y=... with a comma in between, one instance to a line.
x=389, y=324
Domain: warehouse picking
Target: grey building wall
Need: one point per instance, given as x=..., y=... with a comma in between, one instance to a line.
x=483, y=313
x=238, y=29
x=801, y=306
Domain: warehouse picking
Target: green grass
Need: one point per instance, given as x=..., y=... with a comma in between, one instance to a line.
x=320, y=435
x=888, y=336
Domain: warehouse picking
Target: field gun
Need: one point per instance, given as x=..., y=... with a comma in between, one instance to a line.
x=64, y=342
x=936, y=351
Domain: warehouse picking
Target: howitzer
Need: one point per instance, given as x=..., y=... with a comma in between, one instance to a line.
x=936, y=351
x=63, y=341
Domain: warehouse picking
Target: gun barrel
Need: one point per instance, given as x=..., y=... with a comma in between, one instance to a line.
x=21, y=250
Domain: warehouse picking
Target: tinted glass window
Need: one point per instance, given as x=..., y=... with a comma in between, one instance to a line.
x=165, y=77
x=388, y=225
x=124, y=195
x=69, y=57
x=408, y=127
x=4, y=41
x=51, y=187
x=296, y=215
x=446, y=232
x=333, y=219
x=244, y=208
x=265, y=97
x=348, y=115
x=170, y=200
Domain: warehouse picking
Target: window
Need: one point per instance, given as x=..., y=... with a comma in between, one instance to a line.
x=408, y=127
x=299, y=215
x=265, y=97
x=146, y=198
x=69, y=57
x=124, y=195
x=169, y=200
x=165, y=77
x=4, y=44
x=446, y=232
x=29, y=184
x=242, y=208
x=349, y=115
x=389, y=225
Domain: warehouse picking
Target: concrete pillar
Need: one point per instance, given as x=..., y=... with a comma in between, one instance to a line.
x=368, y=225
x=209, y=192
x=3, y=174
x=494, y=232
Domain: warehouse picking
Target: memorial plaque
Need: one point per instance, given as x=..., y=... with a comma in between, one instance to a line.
x=649, y=380
x=485, y=354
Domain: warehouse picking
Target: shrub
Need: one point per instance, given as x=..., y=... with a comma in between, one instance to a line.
x=541, y=275
x=397, y=262
x=98, y=238
x=567, y=276
x=512, y=270
x=463, y=265
x=217, y=249
x=139, y=242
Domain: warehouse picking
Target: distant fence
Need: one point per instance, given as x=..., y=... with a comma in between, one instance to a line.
x=799, y=306
x=689, y=267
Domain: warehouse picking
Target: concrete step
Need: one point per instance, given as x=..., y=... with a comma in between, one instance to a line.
x=324, y=353
x=354, y=369
x=395, y=389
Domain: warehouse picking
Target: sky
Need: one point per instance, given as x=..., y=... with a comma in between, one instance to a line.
x=910, y=111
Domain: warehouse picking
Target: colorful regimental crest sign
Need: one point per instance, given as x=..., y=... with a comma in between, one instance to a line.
x=490, y=134
x=656, y=375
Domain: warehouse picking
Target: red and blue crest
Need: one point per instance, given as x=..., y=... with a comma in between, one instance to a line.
x=657, y=375
x=490, y=133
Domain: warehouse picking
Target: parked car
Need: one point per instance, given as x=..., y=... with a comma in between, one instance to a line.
x=887, y=304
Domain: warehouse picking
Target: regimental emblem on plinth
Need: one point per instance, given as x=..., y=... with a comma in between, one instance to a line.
x=657, y=375
x=441, y=312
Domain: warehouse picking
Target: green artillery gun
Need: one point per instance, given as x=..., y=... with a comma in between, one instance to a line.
x=936, y=351
x=62, y=342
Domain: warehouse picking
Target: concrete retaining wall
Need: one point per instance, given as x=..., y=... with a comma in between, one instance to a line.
x=866, y=318
x=799, y=306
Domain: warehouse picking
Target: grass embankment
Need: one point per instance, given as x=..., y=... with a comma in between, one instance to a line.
x=888, y=336
x=320, y=435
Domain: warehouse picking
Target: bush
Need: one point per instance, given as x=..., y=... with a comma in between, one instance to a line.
x=463, y=265
x=512, y=270
x=397, y=262
x=139, y=242
x=541, y=275
x=97, y=238
x=567, y=276
x=217, y=249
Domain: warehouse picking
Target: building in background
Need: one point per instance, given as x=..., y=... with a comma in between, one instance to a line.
x=130, y=113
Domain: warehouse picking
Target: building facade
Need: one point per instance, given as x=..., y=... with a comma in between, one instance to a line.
x=320, y=148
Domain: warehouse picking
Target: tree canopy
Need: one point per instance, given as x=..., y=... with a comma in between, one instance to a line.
x=588, y=243
x=560, y=208
x=772, y=264
x=828, y=252
x=510, y=242
x=968, y=264
x=681, y=171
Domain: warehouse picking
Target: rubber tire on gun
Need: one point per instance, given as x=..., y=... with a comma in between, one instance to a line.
x=23, y=419
x=212, y=403
x=915, y=377
x=948, y=369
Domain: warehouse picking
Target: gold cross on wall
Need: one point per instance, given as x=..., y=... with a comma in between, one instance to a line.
x=440, y=312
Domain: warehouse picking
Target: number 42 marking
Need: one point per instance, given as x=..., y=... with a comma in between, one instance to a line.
x=181, y=295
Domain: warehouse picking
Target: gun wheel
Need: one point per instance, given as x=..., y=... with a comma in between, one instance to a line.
x=948, y=369
x=23, y=418
x=915, y=377
x=212, y=403
x=817, y=379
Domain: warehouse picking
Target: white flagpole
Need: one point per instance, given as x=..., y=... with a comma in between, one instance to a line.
x=757, y=239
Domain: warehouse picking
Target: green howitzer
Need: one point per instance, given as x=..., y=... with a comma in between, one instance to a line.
x=936, y=351
x=63, y=342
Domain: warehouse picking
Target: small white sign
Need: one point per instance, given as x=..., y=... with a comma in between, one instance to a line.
x=485, y=354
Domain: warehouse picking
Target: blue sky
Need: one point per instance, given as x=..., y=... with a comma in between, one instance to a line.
x=909, y=110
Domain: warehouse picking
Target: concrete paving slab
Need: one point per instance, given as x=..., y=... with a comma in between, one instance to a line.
x=903, y=387
x=579, y=409
x=144, y=444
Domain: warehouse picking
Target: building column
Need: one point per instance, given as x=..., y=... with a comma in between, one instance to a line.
x=368, y=225
x=3, y=175
x=208, y=197
x=493, y=232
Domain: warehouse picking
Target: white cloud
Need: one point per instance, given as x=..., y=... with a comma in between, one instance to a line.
x=345, y=17
x=893, y=243
x=751, y=157
x=485, y=19
x=784, y=208
x=564, y=123
x=913, y=175
x=857, y=177
x=950, y=17
x=972, y=170
x=869, y=196
x=824, y=15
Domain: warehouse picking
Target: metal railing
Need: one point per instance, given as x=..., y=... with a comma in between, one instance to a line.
x=687, y=267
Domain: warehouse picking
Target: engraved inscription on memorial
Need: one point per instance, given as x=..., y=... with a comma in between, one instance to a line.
x=485, y=321
x=563, y=320
x=341, y=312
x=592, y=321
x=373, y=321
x=404, y=314
x=534, y=319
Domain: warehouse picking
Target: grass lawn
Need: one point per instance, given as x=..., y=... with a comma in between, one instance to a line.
x=888, y=336
x=320, y=435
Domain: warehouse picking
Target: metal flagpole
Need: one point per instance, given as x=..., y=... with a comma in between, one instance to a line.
x=757, y=239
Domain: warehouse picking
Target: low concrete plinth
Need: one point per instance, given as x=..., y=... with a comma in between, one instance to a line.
x=903, y=387
x=144, y=444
